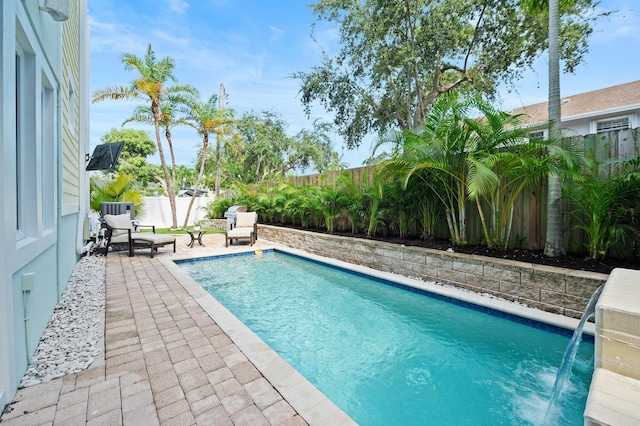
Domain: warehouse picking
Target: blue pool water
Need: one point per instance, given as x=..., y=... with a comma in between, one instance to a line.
x=388, y=356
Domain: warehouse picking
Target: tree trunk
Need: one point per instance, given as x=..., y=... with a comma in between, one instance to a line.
x=155, y=110
x=554, y=241
x=203, y=158
x=219, y=144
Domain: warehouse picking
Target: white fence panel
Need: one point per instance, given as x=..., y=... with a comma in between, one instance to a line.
x=158, y=211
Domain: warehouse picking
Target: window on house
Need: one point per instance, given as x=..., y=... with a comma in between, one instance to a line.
x=19, y=185
x=619, y=123
x=47, y=152
x=25, y=142
x=536, y=135
x=27, y=156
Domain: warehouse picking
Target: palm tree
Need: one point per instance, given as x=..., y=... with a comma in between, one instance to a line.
x=607, y=194
x=114, y=189
x=554, y=240
x=439, y=156
x=206, y=118
x=170, y=106
x=512, y=163
x=149, y=86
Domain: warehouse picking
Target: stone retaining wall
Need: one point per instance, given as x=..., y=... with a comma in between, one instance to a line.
x=214, y=223
x=557, y=290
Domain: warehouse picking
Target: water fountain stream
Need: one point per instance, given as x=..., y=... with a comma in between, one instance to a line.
x=564, y=372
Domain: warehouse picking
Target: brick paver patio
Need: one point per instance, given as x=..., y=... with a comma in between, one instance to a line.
x=166, y=360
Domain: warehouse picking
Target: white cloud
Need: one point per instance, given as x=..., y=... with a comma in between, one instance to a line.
x=178, y=6
x=276, y=34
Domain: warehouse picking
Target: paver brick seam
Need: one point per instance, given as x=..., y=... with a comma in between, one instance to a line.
x=236, y=402
x=180, y=353
x=173, y=410
x=192, y=379
x=145, y=415
x=219, y=376
x=227, y=387
x=245, y=372
x=177, y=344
x=186, y=365
x=204, y=404
x=161, y=368
x=215, y=416
x=279, y=412
x=250, y=416
x=110, y=418
x=168, y=396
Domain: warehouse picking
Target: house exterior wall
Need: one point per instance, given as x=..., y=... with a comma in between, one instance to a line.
x=588, y=125
x=39, y=244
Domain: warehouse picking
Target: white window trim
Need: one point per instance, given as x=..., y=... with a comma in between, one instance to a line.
x=32, y=239
x=594, y=123
x=48, y=152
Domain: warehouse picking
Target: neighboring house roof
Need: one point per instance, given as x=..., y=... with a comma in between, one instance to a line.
x=609, y=100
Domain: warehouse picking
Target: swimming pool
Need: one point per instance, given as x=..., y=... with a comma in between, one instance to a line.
x=390, y=356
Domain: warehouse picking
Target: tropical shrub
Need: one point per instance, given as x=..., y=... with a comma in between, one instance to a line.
x=607, y=196
x=117, y=188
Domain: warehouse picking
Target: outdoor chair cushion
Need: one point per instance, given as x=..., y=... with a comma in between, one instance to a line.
x=239, y=233
x=123, y=231
x=119, y=224
x=246, y=219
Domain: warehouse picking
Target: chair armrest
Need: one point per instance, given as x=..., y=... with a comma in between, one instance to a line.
x=153, y=227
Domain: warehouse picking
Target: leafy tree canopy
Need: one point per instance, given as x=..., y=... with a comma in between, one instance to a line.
x=265, y=150
x=137, y=143
x=133, y=158
x=397, y=57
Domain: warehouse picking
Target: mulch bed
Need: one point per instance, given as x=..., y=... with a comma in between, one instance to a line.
x=570, y=261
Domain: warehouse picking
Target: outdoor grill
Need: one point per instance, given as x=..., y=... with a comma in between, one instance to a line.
x=230, y=214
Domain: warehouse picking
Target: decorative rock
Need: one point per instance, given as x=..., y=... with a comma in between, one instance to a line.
x=72, y=338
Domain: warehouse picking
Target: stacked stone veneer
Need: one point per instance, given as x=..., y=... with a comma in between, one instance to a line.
x=214, y=223
x=557, y=290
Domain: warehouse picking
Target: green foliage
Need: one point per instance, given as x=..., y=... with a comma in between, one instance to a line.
x=266, y=152
x=504, y=162
x=117, y=188
x=607, y=196
x=440, y=157
x=137, y=143
x=149, y=86
x=133, y=158
x=459, y=158
x=397, y=58
x=216, y=209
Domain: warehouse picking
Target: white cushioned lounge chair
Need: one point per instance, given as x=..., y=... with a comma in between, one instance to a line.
x=120, y=230
x=246, y=228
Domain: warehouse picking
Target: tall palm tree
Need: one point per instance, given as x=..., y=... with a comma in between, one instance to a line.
x=554, y=240
x=514, y=162
x=439, y=156
x=170, y=106
x=206, y=118
x=149, y=86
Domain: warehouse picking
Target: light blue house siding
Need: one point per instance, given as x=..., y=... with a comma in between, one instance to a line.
x=41, y=230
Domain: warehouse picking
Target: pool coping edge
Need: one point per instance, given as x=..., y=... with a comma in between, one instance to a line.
x=311, y=404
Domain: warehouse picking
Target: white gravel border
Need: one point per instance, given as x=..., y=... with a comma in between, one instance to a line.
x=74, y=337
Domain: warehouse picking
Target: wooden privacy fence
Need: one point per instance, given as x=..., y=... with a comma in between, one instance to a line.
x=529, y=225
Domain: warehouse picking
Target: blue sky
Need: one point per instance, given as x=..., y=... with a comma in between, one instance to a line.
x=253, y=46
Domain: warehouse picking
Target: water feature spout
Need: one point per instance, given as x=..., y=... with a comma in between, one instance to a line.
x=564, y=372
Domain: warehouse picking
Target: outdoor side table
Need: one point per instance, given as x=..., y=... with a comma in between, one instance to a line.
x=195, y=235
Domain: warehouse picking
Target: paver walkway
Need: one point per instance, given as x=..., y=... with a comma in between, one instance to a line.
x=166, y=361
